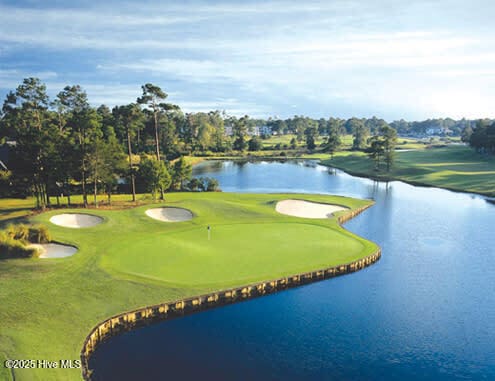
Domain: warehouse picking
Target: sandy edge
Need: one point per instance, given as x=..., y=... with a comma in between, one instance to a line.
x=76, y=220
x=54, y=250
x=307, y=209
x=170, y=214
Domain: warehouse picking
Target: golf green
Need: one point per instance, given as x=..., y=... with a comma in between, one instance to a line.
x=131, y=260
x=235, y=252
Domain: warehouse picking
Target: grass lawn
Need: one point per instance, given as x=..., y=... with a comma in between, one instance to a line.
x=13, y=208
x=129, y=261
x=410, y=143
x=272, y=141
x=455, y=167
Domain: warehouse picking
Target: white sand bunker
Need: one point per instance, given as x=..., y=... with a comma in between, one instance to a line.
x=76, y=220
x=54, y=250
x=306, y=209
x=170, y=214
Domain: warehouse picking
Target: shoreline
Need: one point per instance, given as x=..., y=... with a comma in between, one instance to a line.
x=130, y=320
x=490, y=196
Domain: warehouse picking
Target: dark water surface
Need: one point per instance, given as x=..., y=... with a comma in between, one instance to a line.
x=425, y=311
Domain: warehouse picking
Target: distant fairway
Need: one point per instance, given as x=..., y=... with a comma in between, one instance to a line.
x=131, y=260
x=456, y=167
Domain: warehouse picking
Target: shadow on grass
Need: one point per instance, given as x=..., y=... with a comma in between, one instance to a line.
x=14, y=220
x=411, y=171
x=6, y=212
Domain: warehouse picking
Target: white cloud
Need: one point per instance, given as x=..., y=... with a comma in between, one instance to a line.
x=11, y=78
x=378, y=56
x=377, y=70
x=109, y=17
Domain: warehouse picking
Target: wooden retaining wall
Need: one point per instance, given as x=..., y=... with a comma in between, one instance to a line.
x=130, y=320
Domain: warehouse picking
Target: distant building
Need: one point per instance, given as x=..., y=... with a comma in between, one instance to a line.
x=260, y=130
x=265, y=130
x=228, y=131
x=254, y=131
x=436, y=131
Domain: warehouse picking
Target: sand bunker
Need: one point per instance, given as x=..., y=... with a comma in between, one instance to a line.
x=170, y=214
x=76, y=220
x=54, y=250
x=306, y=209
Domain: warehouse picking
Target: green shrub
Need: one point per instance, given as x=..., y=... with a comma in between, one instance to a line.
x=11, y=248
x=195, y=185
x=15, y=239
x=18, y=232
x=211, y=185
x=39, y=234
x=255, y=144
x=203, y=184
x=25, y=233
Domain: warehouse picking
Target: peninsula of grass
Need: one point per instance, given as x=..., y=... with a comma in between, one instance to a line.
x=457, y=168
x=131, y=260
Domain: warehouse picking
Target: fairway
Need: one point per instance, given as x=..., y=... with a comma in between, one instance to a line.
x=457, y=168
x=131, y=260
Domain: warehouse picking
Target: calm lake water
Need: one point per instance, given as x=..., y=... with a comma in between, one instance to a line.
x=425, y=311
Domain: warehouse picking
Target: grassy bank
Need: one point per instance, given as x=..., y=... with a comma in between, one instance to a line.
x=284, y=152
x=283, y=142
x=456, y=167
x=129, y=261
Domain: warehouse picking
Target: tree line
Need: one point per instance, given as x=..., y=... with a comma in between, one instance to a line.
x=64, y=145
x=297, y=125
x=481, y=137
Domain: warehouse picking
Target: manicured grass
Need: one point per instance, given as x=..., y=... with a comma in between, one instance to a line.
x=454, y=167
x=5, y=374
x=272, y=141
x=130, y=260
x=13, y=208
x=410, y=143
x=208, y=261
x=278, y=139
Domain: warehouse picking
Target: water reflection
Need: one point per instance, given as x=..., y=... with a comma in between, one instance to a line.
x=426, y=311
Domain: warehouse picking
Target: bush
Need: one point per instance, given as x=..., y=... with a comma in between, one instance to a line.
x=11, y=248
x=14, y=240
x=212, y=185
x=39, y=234
x=196, y=185
x=18, y=232
x=255, y=144
x=26, y=234
x=203, y=184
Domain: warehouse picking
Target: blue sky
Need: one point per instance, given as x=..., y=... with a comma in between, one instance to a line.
x=393, y=59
